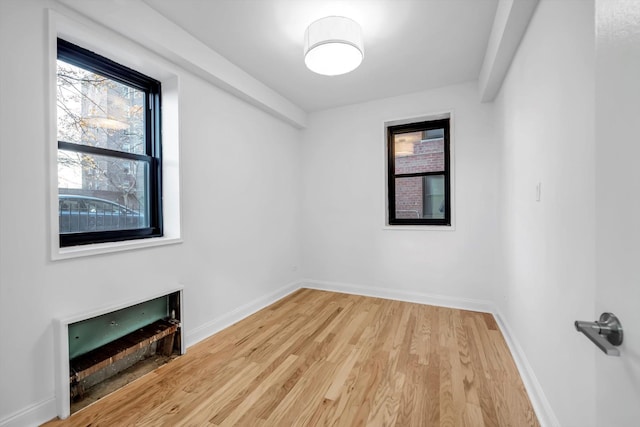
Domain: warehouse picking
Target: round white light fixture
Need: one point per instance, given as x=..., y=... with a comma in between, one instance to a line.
x=333, y=46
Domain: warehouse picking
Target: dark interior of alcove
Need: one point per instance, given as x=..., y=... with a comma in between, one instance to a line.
x=109, y=351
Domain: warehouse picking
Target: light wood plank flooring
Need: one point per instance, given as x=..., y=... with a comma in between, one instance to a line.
x=324, y=358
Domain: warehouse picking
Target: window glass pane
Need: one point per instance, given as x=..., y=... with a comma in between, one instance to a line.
x=433, y=196
x=419, y=152
x=97, y=111
x=420, y=197
x=101, y=193
x=409, y=197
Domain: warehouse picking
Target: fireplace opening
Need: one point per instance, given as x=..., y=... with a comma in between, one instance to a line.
x=111, y=350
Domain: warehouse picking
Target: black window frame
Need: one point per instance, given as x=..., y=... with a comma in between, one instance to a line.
x=391, y=168
x=88, y=60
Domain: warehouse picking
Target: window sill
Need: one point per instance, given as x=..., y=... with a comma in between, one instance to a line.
x=420, y=227
x=105, y=248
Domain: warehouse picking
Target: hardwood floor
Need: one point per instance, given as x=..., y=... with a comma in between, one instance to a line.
x=324, y=358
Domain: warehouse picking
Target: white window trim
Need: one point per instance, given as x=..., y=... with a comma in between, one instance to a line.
x=446, y=114
x=78, y=30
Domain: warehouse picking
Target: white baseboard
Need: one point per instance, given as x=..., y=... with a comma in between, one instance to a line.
x=541, y=405
x=201, y=332
x=32, y=415
x=400, y=295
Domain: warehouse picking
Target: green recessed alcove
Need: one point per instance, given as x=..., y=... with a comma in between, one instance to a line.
x=90, y=334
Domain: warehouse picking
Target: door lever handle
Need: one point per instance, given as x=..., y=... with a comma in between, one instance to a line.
x=606, y=333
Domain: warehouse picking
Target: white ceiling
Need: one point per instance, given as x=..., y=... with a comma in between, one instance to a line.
x=410, y=45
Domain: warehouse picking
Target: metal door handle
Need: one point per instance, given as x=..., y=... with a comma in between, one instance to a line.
x=606, y=333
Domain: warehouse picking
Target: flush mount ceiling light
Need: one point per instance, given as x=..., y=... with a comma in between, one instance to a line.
x=333, y=46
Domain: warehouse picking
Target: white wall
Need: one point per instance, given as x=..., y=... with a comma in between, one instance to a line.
x=240, y=193
x=344, y=239
x=617, y=127
x=545, y=117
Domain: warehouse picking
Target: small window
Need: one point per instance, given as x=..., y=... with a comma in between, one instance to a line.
x=418, y=173
x=109, y=164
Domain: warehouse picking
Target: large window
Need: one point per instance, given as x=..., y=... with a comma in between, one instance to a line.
x=419, y=173
x=109, y=166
